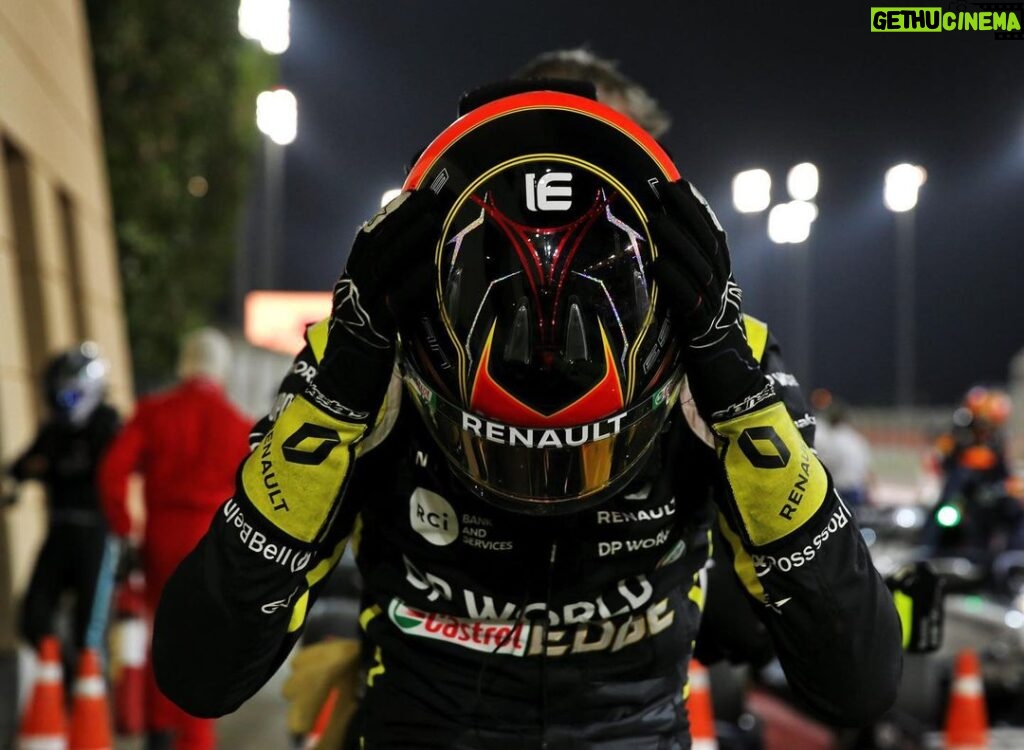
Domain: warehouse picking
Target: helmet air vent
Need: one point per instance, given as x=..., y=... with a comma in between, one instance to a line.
x=518, y=347
x=575, y=337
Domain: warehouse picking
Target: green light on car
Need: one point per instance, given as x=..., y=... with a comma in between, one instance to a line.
x=948, y=516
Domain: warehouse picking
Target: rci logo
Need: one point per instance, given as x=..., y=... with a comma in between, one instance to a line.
x=776, y=459
x=546, y=193
x=433, y=517
x=310, y=456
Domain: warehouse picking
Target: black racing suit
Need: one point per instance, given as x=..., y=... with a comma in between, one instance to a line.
x=64, y=457
x=496, y=630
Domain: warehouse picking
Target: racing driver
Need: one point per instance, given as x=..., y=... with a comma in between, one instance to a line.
x=534, y=396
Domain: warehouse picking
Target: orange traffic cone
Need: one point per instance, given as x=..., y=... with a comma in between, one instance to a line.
x=966, y=718
x=322, y=719
x=44, y=725
x=90, y=714
x=698, y=705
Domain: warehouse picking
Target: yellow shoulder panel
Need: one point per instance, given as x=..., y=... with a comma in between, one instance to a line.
x=757, y=335
x=316, y=335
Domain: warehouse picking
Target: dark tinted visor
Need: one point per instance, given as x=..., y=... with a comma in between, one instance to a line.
x=544, y=469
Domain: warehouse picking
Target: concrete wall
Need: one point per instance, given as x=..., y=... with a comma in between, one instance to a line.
x=59, y=281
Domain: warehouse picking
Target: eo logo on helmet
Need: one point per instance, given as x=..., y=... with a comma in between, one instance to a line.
x=552, y=192
x=548, y=437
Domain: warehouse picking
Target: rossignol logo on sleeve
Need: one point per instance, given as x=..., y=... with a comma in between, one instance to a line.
x=764, y=564
x=550, y=437
x=256, y=542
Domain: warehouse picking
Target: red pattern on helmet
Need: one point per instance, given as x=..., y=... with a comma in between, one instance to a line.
x=493, y=401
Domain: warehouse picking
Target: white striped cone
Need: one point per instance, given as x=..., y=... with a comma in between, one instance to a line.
x=40, y=742
x=90, y=716
x=44, y=723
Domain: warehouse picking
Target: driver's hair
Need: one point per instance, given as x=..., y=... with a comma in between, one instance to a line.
x=613, y=88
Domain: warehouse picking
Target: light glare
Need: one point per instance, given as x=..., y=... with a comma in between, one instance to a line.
x=906, y=518
x=751, y=191
x=277, y=115
x=947, y=516
x=389, y=195
x=802, y=182
x=266, y=21
x=902, y=183
x=790, y=223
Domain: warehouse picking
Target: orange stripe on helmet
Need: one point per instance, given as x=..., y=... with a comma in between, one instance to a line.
x=536, y=100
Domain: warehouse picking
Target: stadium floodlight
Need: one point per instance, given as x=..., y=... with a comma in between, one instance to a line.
x=804, y=211
x=902, y=183
x=790, y=223
x=802, y=182
x=751, y=191
x=277, y=115
x=267, y=22
x=389, y=195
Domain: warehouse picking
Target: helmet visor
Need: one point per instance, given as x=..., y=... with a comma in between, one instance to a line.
x=544, y=470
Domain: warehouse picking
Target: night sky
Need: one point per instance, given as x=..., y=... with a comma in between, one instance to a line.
x=753, y=84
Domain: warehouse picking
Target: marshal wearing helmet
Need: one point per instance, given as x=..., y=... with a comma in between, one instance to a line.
x=535, y=394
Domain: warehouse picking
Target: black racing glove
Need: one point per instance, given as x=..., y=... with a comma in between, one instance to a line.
x=387, y=275
x=694, y=271
x=917, y=591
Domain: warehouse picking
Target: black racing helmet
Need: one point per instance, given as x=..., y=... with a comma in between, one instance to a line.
x=548, y=366
x=75, y=383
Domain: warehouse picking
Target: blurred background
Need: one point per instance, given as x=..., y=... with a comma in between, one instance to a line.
x=171, y=165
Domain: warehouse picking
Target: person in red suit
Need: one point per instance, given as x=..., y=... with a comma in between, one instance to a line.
x=185, y=442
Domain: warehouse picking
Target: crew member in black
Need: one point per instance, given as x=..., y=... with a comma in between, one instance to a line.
x=583, y=398
x=64, y=456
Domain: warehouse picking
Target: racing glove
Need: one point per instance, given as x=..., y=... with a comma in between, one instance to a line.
x=693, y=266
x=387, y=274
x=295, y=476
x=776, y=484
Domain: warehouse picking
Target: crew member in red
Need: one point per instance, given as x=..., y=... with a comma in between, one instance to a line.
x=185, y=442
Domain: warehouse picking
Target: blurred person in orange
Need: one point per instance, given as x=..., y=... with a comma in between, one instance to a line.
x=976, y=441
x=976, y=480
x=185, y=443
